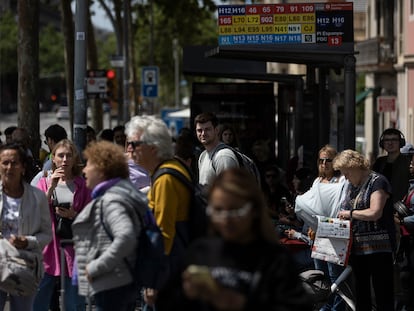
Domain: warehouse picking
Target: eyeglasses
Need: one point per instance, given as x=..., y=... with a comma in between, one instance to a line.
x=220, y=214
x=325, y=160
x=136, y=143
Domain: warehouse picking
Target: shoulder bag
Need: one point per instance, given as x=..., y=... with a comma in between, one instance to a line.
x=20, y=270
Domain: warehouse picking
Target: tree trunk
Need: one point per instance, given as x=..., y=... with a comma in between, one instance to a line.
x=69, y=43
x=28, y=71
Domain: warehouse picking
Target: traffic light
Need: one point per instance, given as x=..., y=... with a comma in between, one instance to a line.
x=111, y=85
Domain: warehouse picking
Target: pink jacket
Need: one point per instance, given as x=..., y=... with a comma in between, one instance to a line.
x=51, y=252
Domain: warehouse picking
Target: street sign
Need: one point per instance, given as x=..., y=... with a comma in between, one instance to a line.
x=329, y=24
x=117, y=61
x=386, y=103
x=149, y=82
x=96, y=85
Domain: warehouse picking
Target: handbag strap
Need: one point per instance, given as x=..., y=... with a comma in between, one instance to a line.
x=363, y=187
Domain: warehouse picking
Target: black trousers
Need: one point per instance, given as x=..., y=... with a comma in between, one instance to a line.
x=376, y=269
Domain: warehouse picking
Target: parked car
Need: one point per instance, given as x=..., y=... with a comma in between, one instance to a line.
x=63, y=112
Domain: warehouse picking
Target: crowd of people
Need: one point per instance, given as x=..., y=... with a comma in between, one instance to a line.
x=259, y=236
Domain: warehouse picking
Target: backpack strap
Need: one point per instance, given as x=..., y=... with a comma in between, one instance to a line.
x=177, y=174
x=224, y=146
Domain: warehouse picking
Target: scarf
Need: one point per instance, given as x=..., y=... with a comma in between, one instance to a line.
x=101, y=188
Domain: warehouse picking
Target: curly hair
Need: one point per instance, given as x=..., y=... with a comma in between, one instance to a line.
x=108, y=158
x=348, y=159
x=77, y=162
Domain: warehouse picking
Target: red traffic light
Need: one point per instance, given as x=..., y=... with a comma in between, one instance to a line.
x=110, y=74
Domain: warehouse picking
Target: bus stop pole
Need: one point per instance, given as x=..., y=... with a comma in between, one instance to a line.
x=349, y=102
x=80, y=103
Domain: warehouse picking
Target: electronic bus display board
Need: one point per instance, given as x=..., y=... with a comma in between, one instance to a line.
x=328, y=24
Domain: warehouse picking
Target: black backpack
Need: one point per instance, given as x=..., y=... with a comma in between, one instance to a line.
x=197, y=218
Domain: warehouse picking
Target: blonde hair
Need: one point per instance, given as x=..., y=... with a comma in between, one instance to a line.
x=348, y=159
x=331, y=151
x=77, y=163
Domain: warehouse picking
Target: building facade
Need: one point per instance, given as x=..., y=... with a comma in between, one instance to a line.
x=386, y=58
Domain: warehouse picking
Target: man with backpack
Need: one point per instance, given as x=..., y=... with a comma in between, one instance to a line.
x=169, y=198
x=216, y=157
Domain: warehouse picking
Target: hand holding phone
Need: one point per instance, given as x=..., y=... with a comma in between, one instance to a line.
x=201, y=276
x=65, y=205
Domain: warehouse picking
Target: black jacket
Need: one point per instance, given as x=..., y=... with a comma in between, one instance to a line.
x=263, y=272
x=400, y=175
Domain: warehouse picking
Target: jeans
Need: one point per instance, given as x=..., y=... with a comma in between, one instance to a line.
x=332, y=271
x=17, y=303
x=120, y=299
x=73, y=302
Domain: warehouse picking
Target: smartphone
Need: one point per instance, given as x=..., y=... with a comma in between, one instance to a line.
x=201, y=274
x=64, y=205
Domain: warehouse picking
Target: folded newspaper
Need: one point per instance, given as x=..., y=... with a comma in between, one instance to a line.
x=333, y=240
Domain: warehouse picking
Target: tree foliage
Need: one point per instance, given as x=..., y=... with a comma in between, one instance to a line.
x=51, y=47
x=8, y=43
x=192, y=22
x=51, y=58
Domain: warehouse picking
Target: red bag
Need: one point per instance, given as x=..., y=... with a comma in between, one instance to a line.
x=294, y=245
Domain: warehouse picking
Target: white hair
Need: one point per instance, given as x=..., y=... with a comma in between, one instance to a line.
x=153, y=131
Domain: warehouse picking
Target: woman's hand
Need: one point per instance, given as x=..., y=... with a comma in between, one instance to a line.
x=202, y=288
x=344, y=214
x=65, y=212
x=56, y=175
x=290, y=233
x=150, y=295
x=20, y=242
x=311, y=234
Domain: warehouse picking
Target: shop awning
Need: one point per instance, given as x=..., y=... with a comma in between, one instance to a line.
x=362, y=95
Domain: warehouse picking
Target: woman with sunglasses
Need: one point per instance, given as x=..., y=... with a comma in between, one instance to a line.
x=323, y=199
x=327, y=175
x=240, y=266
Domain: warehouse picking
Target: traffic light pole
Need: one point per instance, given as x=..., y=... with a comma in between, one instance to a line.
x=80, y=102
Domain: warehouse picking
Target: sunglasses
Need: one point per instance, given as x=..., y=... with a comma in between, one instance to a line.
x=325, y=160
x=136, y=143
x=220, y=214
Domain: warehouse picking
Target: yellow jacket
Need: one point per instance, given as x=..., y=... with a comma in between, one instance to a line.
x=170, y=200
